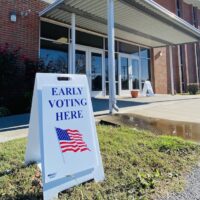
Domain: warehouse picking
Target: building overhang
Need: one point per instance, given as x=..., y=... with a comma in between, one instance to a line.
x=140, y=21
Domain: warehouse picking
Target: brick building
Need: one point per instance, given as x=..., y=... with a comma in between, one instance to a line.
x=47, y=37
x=186, y=57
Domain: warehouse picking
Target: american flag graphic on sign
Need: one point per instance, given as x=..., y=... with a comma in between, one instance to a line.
x=71, y=140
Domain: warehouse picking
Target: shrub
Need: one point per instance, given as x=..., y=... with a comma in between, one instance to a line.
x=11, y=78
x=9, y=58
x=193, y=88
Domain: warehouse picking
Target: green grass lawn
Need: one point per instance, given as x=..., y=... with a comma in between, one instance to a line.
x=137, y=164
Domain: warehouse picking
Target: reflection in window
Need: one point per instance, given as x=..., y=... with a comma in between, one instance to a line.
x=96, y=72
x=124, y=73
x=145, y=71
x=135, y=74
x=53, y=57
x=116, y=67
x=144, y=53
x=80, y=62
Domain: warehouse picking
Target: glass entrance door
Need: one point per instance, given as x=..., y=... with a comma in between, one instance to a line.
x=80, y=67
x=124, y=63
x=89, y=61
x=135, y=73
x=129, y=73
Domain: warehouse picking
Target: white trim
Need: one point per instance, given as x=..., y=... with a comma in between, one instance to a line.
x=88, y=51
x=51, y=6
x=54, y=41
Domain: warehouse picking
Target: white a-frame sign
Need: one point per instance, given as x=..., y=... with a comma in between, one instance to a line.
x=62, y=134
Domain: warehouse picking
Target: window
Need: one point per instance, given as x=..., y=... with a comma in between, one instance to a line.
x=106, y=66
x=124, y=73
x=53, y=57
x=128, y=48
x=194, y=17
x=96, y=71
x=89, y=40
x=145, y=64
x=54, y=48
x=178, y=8
x=116, y=45
x=54, y=32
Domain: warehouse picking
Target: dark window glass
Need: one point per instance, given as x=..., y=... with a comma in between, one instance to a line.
x=106, y=45
x=116, y=67
x=178, y=8
x=55, y=32
x=182, y=67
x=128, y=48
x=144, y=53
x=116, y=85
x=53, y=57
x=124, y=74
x=96, y=71
x=80, y=62
x=194, y=17
x=145, y=69
x=89, y=40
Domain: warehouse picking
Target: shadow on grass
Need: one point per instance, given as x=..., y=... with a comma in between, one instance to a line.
x=27, y=196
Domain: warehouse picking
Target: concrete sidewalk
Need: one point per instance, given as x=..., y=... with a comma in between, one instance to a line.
x=177, y=108
x=14, y=134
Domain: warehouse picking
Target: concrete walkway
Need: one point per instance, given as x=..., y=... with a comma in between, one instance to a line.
x=14, y=134
x=183, y=108
x=177, y=108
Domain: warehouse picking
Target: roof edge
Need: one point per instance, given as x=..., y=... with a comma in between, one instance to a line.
x=51, y=6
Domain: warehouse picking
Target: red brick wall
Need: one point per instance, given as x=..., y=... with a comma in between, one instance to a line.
x=169, y=4
x=162, y=79
x=160, y=70
x=25, y=32
x=187, y=12
x=189, y=54
x=191, y=64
